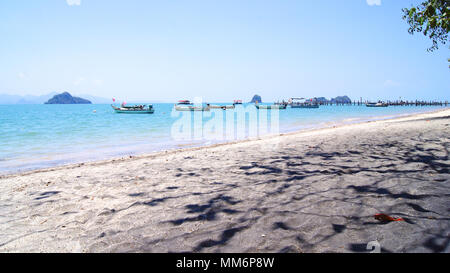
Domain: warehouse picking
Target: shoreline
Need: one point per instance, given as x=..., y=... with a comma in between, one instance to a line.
x=314, y=191
x=209, y=146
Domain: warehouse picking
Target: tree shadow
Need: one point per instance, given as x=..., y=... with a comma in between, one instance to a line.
x=224, y=238
x=47, y=194
x=391, y=177
x=208, y=211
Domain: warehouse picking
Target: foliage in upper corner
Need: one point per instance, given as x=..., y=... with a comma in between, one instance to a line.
x=432, y=18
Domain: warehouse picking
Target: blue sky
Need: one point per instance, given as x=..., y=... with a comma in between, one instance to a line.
x=218, y=50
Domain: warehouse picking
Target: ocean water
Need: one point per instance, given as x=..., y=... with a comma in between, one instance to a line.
x=39, y=136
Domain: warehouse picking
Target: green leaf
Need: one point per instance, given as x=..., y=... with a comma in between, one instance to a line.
x=433, y=23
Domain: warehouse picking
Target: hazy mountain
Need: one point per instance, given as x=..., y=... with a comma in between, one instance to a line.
x=95, y=99
x=27, y=99
x=30, y=99
x=9, y=99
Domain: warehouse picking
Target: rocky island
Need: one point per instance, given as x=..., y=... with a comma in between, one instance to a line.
x=341, y=100
x=337, y=100
x=256, y=98
x=66, y=98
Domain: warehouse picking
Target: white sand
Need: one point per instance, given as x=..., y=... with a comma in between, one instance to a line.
x=314, y=191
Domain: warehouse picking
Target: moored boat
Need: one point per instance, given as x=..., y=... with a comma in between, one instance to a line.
x=223, y=107
x=271, y=107
x=310, y=106
x=237, y=102
x=191, y=108
x=135, y=109
x=185, y=105
x=377, y=104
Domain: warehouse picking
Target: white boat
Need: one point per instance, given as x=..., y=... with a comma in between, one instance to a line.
x=191, y=108
x=185, y=105
x=273, y=106
x=223, y=107
x=376, y=104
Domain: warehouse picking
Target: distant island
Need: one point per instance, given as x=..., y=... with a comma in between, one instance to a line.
x=339, y=99
x=66, y=98
x=256, y=98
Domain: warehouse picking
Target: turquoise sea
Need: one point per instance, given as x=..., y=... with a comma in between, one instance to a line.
x=39, y=136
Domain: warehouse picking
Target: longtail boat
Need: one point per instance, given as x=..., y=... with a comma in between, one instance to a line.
x=223, y=107
x=185, y=105
x=271, y=107
x=308, y=106
x=191, y=108
x=135, y=109
x=376, y=104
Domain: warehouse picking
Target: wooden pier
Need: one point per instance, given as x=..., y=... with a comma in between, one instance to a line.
x=394, y=103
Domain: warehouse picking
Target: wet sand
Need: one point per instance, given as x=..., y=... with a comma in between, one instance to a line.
x=313, y=191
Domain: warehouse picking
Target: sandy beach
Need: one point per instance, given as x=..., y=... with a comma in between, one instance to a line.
x=310, y=191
